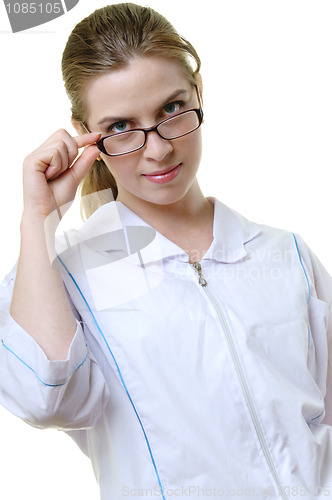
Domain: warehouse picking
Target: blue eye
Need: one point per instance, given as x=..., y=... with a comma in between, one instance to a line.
x=173, y=107
x=118, y=127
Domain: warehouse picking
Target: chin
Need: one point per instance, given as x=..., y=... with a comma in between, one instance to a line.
x=164, y=195
x=167, y=197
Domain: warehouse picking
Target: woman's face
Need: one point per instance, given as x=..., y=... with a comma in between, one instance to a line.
x=145, y=92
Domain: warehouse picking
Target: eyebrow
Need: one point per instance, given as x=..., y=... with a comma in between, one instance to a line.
x=115, y=119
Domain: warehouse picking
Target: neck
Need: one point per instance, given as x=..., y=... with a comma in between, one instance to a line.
x=192, y=209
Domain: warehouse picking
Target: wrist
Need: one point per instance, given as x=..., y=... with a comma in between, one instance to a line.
x=39, y=228
x=38, y=235
x=31, y=219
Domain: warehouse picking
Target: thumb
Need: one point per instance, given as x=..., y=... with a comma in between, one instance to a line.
x=84, y=162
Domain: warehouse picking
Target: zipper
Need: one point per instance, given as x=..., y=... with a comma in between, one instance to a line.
x=245, y=389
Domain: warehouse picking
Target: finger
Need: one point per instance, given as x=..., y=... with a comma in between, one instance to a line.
x=71, y=151
x=87, y=139
x=69, y=146
x=44, y=160
x=81, y=141
x=72, y=144
x=68, y=150
x=84, y=162
x=57, y=163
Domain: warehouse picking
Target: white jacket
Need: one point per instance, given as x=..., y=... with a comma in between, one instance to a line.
x=184, y=382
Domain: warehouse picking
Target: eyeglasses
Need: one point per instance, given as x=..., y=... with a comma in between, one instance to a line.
x=172, y=128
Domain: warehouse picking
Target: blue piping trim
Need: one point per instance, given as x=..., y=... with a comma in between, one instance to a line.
x=318, y=416
x=40, y=380
x=300, y=258
x=119, y=372
x=309, y=336
x=306, y=277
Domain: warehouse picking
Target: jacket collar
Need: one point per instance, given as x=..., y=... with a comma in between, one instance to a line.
x=118, y=232
x=231, y=231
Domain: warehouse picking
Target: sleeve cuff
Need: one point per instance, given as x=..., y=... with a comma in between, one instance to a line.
x=24, y=351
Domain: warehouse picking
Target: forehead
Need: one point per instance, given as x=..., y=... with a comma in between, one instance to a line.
x=140, y=86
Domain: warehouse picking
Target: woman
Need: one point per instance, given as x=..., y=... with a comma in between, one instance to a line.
x=187, y=352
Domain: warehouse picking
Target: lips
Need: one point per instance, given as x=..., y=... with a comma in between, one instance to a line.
x=163, y=176
x=162, y=172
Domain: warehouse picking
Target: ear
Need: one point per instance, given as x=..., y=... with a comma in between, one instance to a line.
x=78, y=127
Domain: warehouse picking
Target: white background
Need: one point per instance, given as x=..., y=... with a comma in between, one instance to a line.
x=267, y=76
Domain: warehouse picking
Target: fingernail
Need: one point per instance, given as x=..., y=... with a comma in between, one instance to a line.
x=50, y=171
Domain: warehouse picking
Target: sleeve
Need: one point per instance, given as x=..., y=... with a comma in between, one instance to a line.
x=320, y=320
x=68, y=394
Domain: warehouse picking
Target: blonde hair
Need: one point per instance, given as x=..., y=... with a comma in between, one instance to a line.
x=107, y=40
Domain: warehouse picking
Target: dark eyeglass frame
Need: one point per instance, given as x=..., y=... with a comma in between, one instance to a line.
x=198, y=111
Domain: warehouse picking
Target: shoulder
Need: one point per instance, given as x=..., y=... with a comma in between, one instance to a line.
x=239, y=236
x=265, y=243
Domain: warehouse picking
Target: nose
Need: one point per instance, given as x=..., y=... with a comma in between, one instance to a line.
x=156, y=148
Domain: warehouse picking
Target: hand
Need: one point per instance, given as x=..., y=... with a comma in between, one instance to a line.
x=50, y=175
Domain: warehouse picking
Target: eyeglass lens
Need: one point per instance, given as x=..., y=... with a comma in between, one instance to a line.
x=172, y=128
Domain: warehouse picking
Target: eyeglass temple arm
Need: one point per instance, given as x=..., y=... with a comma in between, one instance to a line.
x=86, y=128
x=199, y=97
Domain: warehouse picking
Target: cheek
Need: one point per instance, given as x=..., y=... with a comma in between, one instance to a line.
x=122, y=168
x=192, y=145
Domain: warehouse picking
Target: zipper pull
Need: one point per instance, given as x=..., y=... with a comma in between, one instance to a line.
x=198, y=268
